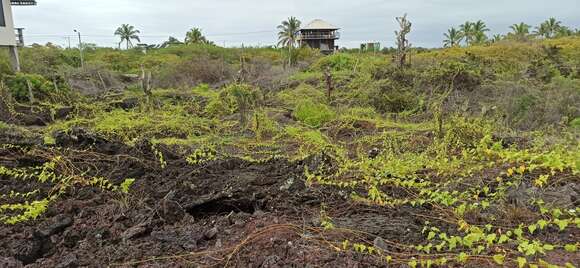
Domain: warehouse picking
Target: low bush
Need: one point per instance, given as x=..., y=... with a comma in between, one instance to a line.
x=575, y=124
x=386, y=97
x=19, y=83
x=465, y=133
x=235, y=98
x=192, y=71
x=291, y=97
x=456, y=75
x=313, y=114
x=337, y=62
x=263, y=126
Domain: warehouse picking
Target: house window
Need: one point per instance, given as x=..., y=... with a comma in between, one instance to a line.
x=2, y=15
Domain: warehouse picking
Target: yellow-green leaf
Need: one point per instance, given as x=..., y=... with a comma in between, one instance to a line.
x=431, y=235
x=503, y=239
x=532, y=228
x=571, y=248
x=522, y=262
x=499, y=259
x=462, y=257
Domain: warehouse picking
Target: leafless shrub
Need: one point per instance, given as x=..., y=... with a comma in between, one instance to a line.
x=192, y=72
x=94, y=79
x=264, y=74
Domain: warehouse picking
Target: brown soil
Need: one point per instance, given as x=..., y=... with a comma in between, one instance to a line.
x=226, y=213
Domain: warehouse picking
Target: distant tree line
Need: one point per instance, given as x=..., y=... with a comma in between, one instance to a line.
x=468, y=33
x=127, y=33
x=475, y=33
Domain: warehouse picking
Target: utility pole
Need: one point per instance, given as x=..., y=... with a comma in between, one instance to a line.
x=81, y=49
x=67, y=38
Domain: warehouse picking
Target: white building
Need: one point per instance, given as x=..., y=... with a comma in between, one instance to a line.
x=9, y=36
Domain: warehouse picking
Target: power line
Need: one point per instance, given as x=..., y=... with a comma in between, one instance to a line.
x=148, y=36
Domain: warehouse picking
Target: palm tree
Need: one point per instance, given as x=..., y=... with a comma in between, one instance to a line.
x=480, y=38
x=549, y=28
x=288, y=34
x=520, y=31
x=467, y=31
x=478, y=32
x=194, y=36
x=480, y=27
x=453, y=37
x=127, y=33
x=496, y=38
x=542, y=31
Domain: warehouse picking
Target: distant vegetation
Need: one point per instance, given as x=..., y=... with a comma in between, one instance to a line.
x=127, y=33
x=288, y=35
x=475, y=33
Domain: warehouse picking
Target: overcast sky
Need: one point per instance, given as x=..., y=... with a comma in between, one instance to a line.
x=253, y=22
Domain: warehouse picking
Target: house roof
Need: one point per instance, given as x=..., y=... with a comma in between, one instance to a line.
x=23, y=2
x=319, y=24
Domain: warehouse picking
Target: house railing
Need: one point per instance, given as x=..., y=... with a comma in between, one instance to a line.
x=310, y=36
x=23, y=2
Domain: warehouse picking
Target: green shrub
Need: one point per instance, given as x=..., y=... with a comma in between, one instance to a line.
x=359, y=113
x=462, y=133
x=48, y=59
x=263, y=126
x=117, y=61
x=292, y=97
x=575, y=123
x=458, y=75
x=234, y=98
x=400, y=77
x=313, y=114
x=18, y=85
x=337, y=62
x=386, y=97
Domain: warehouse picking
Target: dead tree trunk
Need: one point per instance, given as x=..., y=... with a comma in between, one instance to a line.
x=403, y=44
x=102, y=81
x=146, y=83
x=329, y=84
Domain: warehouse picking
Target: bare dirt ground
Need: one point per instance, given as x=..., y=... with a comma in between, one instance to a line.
x=224, y=213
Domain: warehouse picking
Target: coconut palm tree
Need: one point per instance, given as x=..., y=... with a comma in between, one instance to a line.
x=480, y=38
x=194, y=36
x=477, y=32
x=542, y=31
x=549, y=28
x=288, y=34
x=453, y=38
x=520, y=31
x=467, y=32
x=496, y=38
x=480, y=27
x=127, y=33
